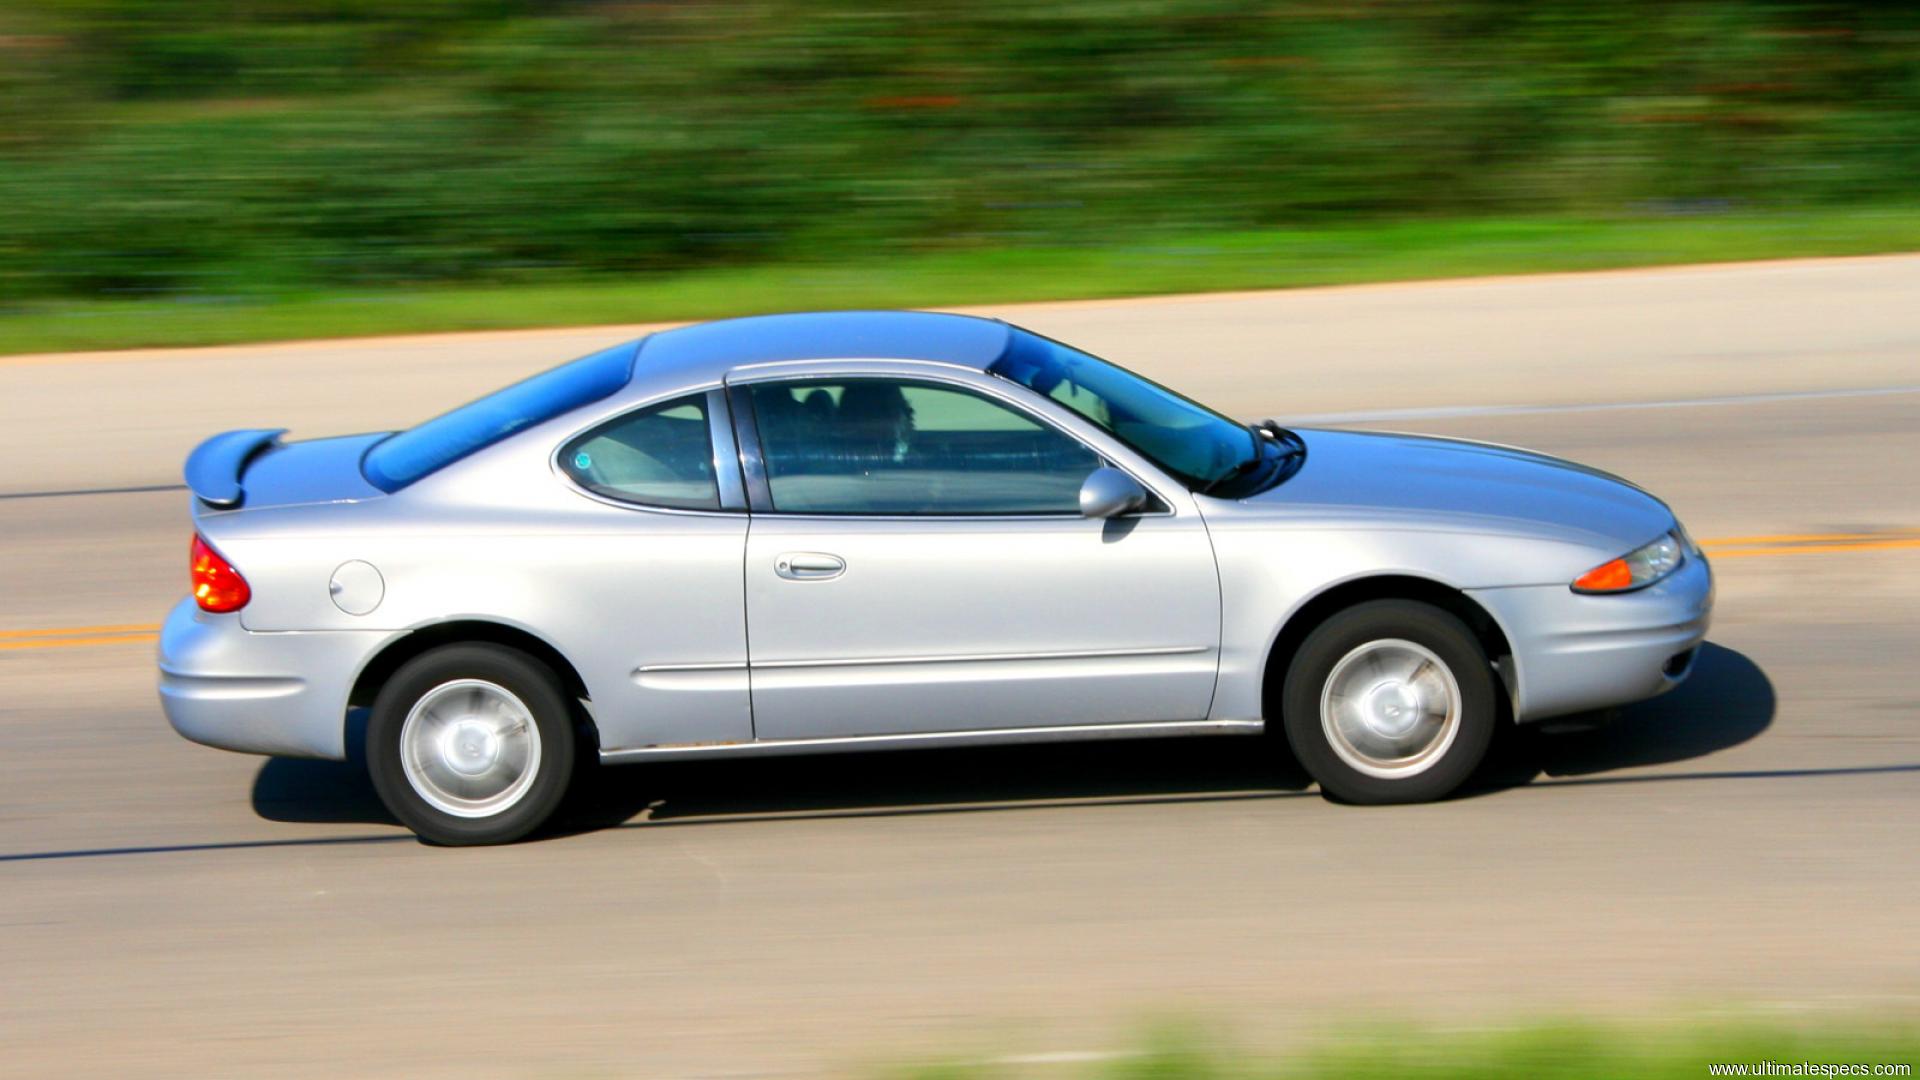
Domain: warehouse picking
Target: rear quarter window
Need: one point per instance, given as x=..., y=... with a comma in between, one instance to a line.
x=661, y=455
x=406, y=456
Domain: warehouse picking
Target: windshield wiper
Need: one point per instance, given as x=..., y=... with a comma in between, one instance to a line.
x=1289, y=451
x=1293, y=451
x=1251, y=464
x=1235, y=473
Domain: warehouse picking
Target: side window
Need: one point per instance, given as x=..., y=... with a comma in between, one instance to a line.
x=890, y=446
x=658, y=456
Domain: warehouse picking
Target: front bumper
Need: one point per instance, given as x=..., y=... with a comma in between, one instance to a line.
x=1574, y=652
x=259, y=693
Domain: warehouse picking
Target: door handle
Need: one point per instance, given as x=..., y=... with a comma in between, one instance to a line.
x=809, y=565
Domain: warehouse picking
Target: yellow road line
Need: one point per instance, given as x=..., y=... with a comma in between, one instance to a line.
x=81, y=631
x=73, y=642
x=1731, y=547
x=1805, y=538
x=1808, y=549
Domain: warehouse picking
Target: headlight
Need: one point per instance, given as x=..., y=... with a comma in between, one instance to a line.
x=1636, y=569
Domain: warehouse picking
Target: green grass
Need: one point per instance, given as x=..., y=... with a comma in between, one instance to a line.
x=1547, y=1051
x=1175, y=264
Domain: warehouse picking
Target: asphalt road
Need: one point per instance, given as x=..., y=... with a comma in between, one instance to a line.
x=1748, y=841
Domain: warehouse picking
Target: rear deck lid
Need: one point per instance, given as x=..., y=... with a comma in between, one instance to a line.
x=252, y=468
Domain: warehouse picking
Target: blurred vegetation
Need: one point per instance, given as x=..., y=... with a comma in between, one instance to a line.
x=1542, y=1051
x=205, y=149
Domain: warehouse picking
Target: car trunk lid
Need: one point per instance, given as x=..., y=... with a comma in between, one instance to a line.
x=253, y=468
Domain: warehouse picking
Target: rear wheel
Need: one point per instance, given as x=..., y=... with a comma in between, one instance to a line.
x=1390, y=701
x=471, y=744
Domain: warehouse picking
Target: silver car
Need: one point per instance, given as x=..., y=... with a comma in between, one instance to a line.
x=861, y=531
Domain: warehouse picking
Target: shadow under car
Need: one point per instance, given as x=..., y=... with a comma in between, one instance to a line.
x=1727, y=701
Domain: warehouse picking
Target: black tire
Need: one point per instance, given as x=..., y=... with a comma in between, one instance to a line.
x=1436, y=631
x=524, y=678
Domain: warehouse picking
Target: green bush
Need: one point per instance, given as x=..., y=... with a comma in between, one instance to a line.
x=178, y=147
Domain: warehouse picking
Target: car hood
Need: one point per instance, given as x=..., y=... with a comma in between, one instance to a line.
x=1390, y=480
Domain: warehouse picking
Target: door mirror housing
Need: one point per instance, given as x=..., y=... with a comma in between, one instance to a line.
x=1108, y=493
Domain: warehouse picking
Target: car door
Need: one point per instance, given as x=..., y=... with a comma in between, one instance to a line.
x=916, y=563
x=641, y=583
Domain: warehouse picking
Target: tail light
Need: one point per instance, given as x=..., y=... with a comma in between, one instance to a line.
x=217, y=586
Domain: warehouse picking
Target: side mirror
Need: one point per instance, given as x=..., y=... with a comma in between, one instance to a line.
x=1108, y=493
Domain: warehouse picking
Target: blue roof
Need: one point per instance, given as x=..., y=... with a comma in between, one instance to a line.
x=831, y=335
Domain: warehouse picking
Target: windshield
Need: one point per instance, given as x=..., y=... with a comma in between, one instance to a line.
x=400, y=459
x=1193, y=443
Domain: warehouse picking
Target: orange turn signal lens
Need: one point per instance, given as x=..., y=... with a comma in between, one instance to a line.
x=1607, y=577
x=217, y=586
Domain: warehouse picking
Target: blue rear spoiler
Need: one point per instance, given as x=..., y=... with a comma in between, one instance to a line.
x=215, y=466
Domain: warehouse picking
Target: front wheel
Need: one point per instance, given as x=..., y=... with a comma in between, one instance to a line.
x=471, y=744
x=1390, y=701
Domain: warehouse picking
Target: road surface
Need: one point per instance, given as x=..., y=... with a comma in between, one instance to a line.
x=1750, y=840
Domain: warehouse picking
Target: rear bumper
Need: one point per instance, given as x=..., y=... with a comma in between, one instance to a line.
x=259, y=693
x=1573, y=652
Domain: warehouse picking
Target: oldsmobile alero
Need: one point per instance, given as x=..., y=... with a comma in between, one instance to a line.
x=860, y=531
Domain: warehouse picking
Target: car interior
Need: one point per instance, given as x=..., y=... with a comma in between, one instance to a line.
x=662, y=456
x=877, y=446
x=856, y=446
